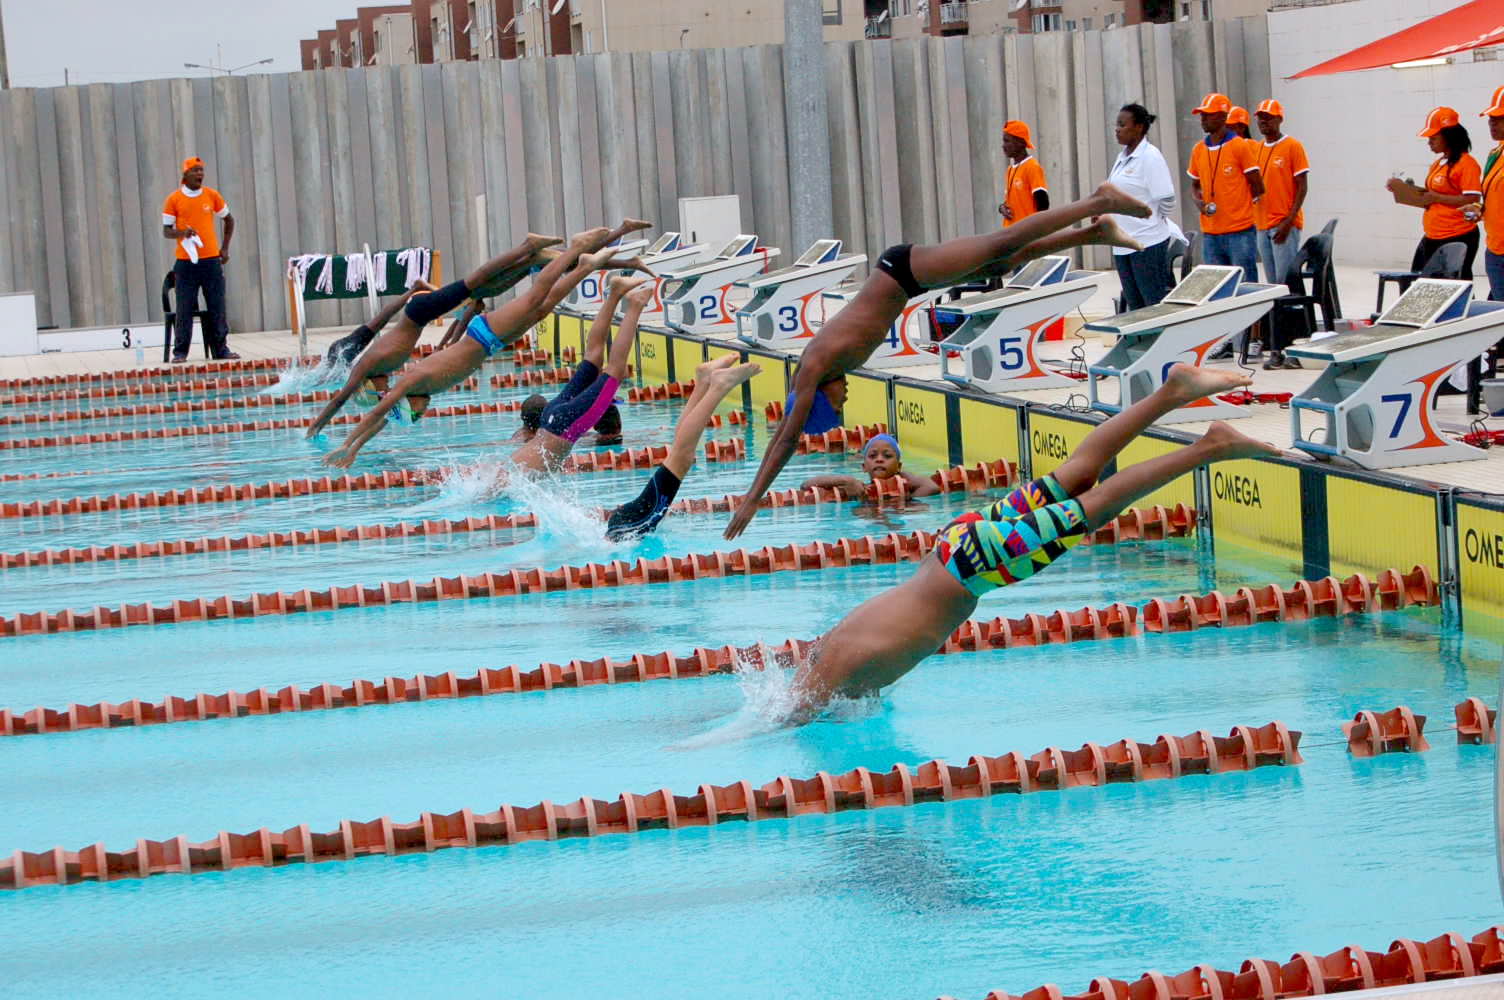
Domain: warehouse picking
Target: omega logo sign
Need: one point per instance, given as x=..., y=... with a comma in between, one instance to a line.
x=1237, y=489
x=1052, y=445
x=1485, y=549
x=910, y=413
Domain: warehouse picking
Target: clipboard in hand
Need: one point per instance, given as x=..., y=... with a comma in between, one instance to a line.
x=1406, y=193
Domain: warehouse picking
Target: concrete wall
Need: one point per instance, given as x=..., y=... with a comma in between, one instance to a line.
x=1359, y=128
x=461, y=155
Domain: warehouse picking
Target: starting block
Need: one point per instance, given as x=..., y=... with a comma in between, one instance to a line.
x=778, y=313
x=907, y=336
x=668, y=254
x=694, y=297
x=996, y=339
x=589, y=295
x=1374, y=398
x=1201, y=312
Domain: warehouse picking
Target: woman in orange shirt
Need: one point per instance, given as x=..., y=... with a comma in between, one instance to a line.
x=1454, y=180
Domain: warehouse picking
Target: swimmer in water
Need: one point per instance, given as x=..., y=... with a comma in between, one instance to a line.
x=714, y=380
x=485, y=334
x=881, y=459
x=903, y=272
x=1013, y=539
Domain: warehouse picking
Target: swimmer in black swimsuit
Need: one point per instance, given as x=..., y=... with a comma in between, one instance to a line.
x=906, y=271
x=346, y=349
x=714, y=380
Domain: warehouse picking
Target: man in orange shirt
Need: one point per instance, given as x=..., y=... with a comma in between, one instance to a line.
x=188, y=219
x=1024, y=190
x=1493, y=199
x=1224, y=184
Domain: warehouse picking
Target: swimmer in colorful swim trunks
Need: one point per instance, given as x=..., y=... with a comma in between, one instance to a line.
x=714, y=380
x=881, y=459
x=485, y=334
x=591, y=391
x=1015, y=538
x=905, y=271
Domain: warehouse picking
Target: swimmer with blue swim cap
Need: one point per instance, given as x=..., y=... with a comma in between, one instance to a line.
x=881, y=459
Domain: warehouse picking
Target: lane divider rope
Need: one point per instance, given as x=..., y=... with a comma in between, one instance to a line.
x=1318, y=598
x=957, y=479
x=1445, y=957
x=599, y=461
x=1052, y=769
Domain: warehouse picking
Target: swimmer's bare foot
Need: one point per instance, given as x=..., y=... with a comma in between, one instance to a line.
x=421, y=286
x=1107, y=233
x=730, y=378
x=537, y=242
x=633, y=264
x=1228, y=443
x=621, y=284
x=641, y=292
x=1190, y=383
x=706, y=369
x=590, y=238
x=1119, y=202
x=634, y=225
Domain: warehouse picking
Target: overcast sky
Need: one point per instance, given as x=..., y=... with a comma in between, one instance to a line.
x=109, y=41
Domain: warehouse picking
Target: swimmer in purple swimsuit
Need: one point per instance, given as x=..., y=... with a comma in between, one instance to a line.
x=485, y=335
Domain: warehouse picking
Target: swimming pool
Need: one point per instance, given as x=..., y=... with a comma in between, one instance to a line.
x=1007, y=891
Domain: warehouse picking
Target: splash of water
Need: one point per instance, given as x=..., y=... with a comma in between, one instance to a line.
x=296, y=377
x=771, y=702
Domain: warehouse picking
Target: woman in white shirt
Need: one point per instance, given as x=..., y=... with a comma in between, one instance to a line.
x=1141, y=172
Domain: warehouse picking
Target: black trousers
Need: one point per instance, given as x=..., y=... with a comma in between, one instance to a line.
x=1428, y=246
x=207, y=276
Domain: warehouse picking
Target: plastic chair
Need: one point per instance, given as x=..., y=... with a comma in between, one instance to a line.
x=1294, y=316
x=1446, y=262
x=169, y=317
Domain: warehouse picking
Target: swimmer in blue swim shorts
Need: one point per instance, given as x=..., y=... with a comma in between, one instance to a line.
x=1010, y=541
x=485, y=334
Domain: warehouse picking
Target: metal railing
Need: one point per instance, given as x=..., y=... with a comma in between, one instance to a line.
x=955, y=12
x=879, y=28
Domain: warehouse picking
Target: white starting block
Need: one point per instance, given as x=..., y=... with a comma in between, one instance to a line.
x=589, y=295
x=1374, y=398
x=694, y=297
x=1201, y=312
x=778, y=313
x=995, y=342
x=668, y=254
x=907, y=336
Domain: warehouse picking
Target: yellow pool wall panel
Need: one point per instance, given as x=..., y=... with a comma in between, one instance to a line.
x=988, y=432
x=1051, y=440
x=1372, y=527
x=921, y=427
x=1178, y=491
x=1257, y=505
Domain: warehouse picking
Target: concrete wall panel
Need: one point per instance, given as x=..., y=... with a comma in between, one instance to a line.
x=984, y=108
x=55, y=250
x=845, y=147
x=74, y=227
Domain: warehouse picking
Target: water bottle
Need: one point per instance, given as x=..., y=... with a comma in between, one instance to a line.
x=140, y=354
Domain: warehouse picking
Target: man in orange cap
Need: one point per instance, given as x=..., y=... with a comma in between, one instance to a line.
x=1224, y=184
x=1024, y=191
x=1283, y=167
x=188, y=219
x=1493, y=199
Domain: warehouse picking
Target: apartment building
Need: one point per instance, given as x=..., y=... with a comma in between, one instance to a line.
x=442, y=30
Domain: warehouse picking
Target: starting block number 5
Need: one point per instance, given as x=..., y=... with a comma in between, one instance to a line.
x=1010, y=355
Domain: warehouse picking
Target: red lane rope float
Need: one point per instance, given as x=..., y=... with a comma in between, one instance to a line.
x=1052, y=769
x=239, y=402
x=145, y=389
x=636, y=458
x=1398, y=730
x=1154, y=524
x=658, y=393
x=1475, y=722
x=1446, y=956
x=247, y=426
x=1057, y=628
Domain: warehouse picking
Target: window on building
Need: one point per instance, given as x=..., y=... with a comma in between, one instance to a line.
x=1206, y=10
x=1110, y=21
x=1070, y=25
x=1046, y=22
x=1086, y=23
x=830, y=10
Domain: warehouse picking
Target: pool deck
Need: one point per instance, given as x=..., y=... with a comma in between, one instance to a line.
x=1268, y=422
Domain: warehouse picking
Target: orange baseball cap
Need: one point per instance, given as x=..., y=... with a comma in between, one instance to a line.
x=1495, y=105
x=1437, y=120
x=1271, y=107
x=191, y=162
x=1019, y=129
x=1237, y=116
x=1212, y=103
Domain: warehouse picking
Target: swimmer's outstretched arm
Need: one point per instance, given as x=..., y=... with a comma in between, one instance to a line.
x=392, y=308
x=811, y=372
x=920, y=486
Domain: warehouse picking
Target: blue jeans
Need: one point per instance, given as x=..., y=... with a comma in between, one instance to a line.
x=1493, y=266
x=1239, y=249
x=1277, y=257
x=1145, y=275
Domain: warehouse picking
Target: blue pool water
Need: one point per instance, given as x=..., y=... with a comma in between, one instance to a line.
x=957, y=898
